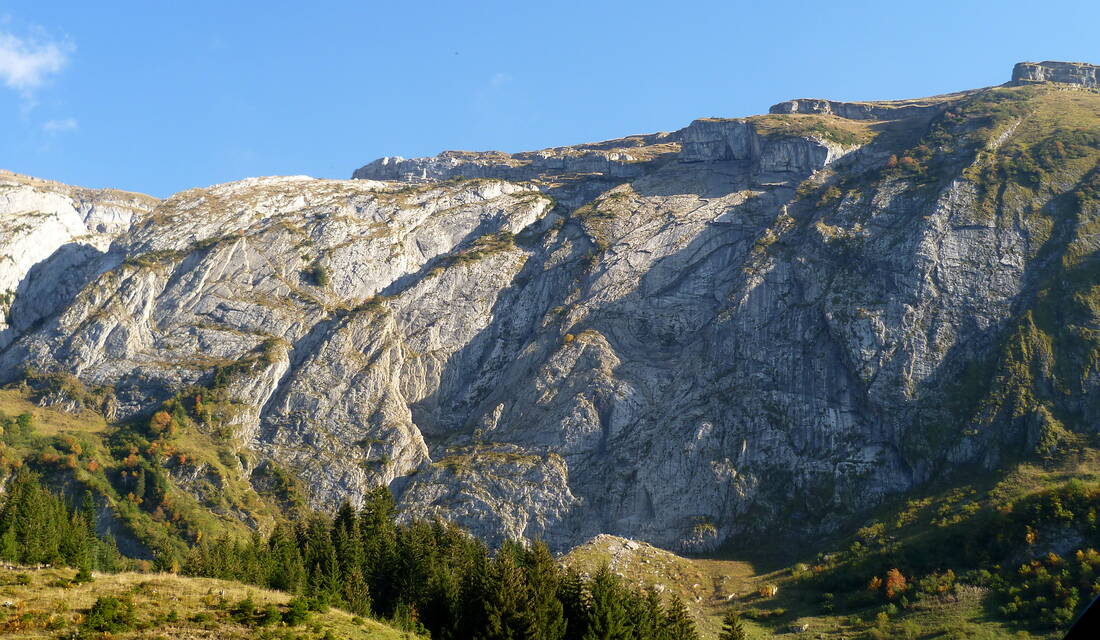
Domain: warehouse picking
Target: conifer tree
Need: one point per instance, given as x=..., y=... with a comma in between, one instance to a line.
x=607, y=618
x=319, y=556
x=543, y=579
x=285, y=569
x=479, y=581
x=355, y=594
x=506, y=612
x=677, y=623
x=348, y=541
x=646, y=612
x=379, y=535
x=574, y=602
x=443, y=613
x=732, y=629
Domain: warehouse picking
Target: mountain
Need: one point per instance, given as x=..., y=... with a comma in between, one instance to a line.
x=749, y=329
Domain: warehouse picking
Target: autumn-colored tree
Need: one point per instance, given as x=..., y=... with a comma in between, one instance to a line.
x=160, y=422
x=909, y=164
x=895, y=583
x=892, y=161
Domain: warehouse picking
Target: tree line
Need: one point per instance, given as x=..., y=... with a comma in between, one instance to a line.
x=431, y=578
x=434, y=578
x=39, y=527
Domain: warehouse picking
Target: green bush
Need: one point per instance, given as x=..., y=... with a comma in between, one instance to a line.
x=244, y=611
x=110, y=614
x=269, y=616
x=319, y=274
x=297, y=612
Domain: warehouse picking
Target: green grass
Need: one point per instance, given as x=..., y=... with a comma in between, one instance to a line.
x=834, y=129
x=47, y=603
x=14, y=402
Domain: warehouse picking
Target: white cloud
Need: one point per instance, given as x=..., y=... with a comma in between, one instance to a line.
x=25, y=64
x=58, y=126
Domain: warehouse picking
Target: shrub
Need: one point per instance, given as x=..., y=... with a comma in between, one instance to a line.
x=110, y=614
x=832, y=194
x=297, y=612
x=269, y=616
x=319, y=274
x=244, y=611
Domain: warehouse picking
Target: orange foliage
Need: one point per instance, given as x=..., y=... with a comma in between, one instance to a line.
x=895, y=583
x=909, y=164
x=160, y=422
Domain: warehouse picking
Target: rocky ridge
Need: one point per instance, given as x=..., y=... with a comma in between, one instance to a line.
x=1079, y=73
x=748, y=324
x=56, y=230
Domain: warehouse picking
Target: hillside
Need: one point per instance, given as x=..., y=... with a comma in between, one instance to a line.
x=1010, y=553
x=46, y=603
x=746, y=329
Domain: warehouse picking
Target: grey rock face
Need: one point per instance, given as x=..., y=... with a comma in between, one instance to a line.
x=622, y=158
x=857, y=110
x=681, y=345
x=50, y=236
x=737, y=140
x=1086, y=75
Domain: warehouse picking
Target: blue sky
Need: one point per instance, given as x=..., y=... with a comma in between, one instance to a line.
x=160, y=96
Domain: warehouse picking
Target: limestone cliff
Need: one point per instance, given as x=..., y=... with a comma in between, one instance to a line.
x=754, y=324
x=1086, y=75
x=54, y=230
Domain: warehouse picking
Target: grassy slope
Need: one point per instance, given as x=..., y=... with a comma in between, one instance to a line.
x=703, y=584
x=77, y=451
x=50, y=606
x=50, y=421
x=709, y=586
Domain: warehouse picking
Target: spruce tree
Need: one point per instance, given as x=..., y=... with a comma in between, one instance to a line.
x=379, y=547
x=732, y=629
x=607, y=618
x=319, y=556
x=574, y=603
x=480, y=580
x=443, y=614
x=543, y=579
x=677, y=623
x=647, y=614
x=506, y=612
x=285, y=570
x=355, y=593
x=348, y=541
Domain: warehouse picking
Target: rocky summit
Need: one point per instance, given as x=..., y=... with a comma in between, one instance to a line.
x=745, y=327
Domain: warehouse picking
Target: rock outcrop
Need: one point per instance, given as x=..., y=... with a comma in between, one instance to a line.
x=861, y=110
x=1086, y=75
x=748, y=325
x=56, y=230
